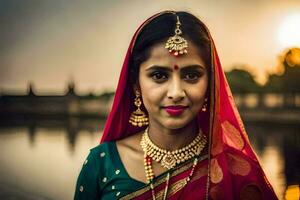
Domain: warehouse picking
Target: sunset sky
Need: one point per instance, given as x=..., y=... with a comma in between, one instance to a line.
x=50, y=42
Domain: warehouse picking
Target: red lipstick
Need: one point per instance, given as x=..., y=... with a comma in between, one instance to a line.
x=175, y=110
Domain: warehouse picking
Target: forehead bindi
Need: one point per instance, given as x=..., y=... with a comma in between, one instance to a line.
x=175, y=67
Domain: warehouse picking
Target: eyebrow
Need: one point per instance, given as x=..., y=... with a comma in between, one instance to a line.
x=184, y=68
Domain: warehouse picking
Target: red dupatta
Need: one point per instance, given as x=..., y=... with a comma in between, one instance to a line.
x=232, y=170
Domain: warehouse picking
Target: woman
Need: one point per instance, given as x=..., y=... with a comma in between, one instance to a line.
x=173, y=131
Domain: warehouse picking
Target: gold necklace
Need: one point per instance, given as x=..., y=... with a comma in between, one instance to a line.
x=150, y=176
x=148, y=161
x=169, y=159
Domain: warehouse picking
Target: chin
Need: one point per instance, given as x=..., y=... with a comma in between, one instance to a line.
x=176, y=124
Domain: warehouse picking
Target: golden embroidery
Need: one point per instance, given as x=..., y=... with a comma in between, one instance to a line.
x=177, y=186
x=217, y=146
x=159, y=195
x=180, y=169
x=216, y=173
x=251, y=192
x=232, y=135
x=238, y=165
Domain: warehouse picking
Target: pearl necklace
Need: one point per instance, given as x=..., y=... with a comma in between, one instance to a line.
x=169, y=159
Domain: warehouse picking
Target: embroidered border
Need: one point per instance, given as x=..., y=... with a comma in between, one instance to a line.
x=162, y=179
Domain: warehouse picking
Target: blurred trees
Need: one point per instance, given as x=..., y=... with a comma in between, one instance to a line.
x=241, y=81
x=289, y=81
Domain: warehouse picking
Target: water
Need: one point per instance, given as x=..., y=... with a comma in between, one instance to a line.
x=278, y=149
x=41, y=159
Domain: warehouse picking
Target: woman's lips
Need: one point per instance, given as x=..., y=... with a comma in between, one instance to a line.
x=175, y=110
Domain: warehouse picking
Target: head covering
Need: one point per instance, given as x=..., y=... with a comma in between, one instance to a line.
x=231, y=158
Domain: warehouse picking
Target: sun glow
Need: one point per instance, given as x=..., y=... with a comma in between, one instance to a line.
x=289, y=31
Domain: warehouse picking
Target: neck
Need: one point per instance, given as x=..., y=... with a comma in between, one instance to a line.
x=172, y=139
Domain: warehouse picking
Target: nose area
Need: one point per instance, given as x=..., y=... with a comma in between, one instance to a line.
x=175, y=90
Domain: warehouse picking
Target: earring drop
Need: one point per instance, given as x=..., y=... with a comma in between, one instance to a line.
x=138, y=117
x=204, y=107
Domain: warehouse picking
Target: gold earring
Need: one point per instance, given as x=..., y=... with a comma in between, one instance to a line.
x=204, y=107
x=138, y=117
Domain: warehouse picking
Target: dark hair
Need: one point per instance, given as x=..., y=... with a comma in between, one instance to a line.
x=161, y=28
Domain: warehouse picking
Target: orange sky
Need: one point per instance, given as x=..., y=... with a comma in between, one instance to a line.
x=53, y=41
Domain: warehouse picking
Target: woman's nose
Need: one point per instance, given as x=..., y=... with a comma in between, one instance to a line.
x=175, y=90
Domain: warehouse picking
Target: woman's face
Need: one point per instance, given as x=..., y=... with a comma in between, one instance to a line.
x=173, y=88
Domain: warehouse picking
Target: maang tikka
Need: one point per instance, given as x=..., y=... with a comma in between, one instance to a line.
x=176, y=44
x=138, y=117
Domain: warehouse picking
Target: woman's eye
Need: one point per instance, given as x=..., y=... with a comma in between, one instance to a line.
x=159, y=76
x=191, y=76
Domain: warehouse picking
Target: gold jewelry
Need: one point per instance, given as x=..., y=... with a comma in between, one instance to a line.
x=176, y=43
x=148, y=170
x=138, y=117
x=204, y=107
x=169, y=159
x=150, y=175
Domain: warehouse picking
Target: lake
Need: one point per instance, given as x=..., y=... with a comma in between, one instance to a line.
x=41, y=158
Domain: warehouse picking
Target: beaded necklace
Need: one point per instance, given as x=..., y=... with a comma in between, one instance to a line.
x=169, y=159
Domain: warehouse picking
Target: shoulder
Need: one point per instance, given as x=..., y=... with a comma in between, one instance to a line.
x=103, y=155
x=131, y=143
x=101, y=148
x=97, y=157
x=87, y=186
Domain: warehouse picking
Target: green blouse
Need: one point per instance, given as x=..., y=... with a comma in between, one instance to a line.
x=103, y=175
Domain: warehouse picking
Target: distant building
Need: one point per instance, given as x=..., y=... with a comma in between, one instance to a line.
x=69, y=104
